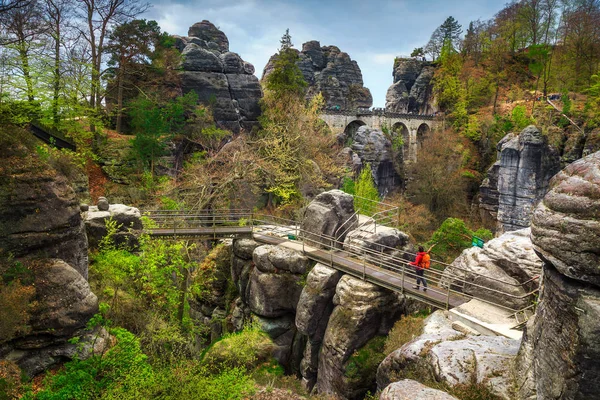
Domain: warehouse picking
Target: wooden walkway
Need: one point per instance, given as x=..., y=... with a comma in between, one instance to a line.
x=435, y=296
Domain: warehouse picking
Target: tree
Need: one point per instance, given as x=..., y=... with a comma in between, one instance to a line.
x=98, y=16
x=366, y=192
x=418, y=52
x=130, y=43
x=286, y=41
x=155, y=124
x=434, y=46
x=438, y=182
x=451, y=30
x=286, y=77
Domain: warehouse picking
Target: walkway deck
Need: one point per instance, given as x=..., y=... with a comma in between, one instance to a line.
x=395, y=281
x=208, y=231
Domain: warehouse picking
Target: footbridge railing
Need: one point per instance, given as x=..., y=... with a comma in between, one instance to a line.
x=381, y=265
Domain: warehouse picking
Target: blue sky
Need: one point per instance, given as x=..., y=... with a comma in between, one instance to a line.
x=371, y=32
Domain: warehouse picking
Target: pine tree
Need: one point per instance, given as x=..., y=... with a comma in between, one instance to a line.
x=366, y=192
x=451, y=30
x=286, y=41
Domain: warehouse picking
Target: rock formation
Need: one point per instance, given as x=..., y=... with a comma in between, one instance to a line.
x=331, y=72
x=518, y=180
x=128, y=223
x=43, y=246
x=373, y=147
x=412, y=390
x=219, y=77
x=565, y=334
x=329, y=215
x=412, y=89
x=451, y=356
x=507, y=264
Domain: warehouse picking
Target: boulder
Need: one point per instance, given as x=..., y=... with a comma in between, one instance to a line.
x=128, y=220
x=362, y=312
x=373, y=147
x=244, y=247
x=449, y=355
x=273, y=295
x=288, y=344
x=566, y=226
x=522, y=172
x=507, y=264
x=411, y=90
x=385, y=241
x=412, y=390
x=232, y=63
x=331, y=72
x=62, y=305
x=103, y=204
x=329, y=215
x=207, y=32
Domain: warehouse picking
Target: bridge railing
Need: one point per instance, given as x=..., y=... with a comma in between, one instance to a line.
x=390, y=262
x=396, y=266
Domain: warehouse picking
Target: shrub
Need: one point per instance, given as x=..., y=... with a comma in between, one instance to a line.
x=362, y=364
x=403, y=331
x=10, y=380
x=246, y=349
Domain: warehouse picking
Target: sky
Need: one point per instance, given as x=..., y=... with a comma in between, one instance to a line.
x=372, y=32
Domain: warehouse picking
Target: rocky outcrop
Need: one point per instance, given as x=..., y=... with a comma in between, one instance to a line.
x=506, y=264
x=412, y=89
x=329, y=215
x=331, y=72
x=449, y=355
x=127, y=219
x=564, y=335
x=412, y=390
x=42, y=246
x=518, y=180
x=373, y=147
x=219, y=77
x=362, y=311
x=39, y=211
x=312, y=315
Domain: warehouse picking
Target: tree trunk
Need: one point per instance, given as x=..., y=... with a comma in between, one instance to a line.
x=26, y=72
x=120, y=84
x=56, y=76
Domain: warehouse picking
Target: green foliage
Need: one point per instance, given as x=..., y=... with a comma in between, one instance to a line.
x=519, y=118
x=348, y=185
x=246, y=349
x=473, y=130
x=286, y=77
x=404, y=330
x=453, y=236
x=111, y=371
x=155, y=123
x=592, y=105
x=366, y=192
x=362, y=364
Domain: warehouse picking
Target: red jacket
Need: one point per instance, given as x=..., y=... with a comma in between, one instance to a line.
x=417, y=262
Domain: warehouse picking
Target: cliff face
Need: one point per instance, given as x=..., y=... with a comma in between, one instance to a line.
x=330, y=71
x=562, y=343
x=43, y=250
x=518, y=180
x=412, y=89
x=219, y=77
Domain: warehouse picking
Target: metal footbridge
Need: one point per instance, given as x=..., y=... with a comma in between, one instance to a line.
x=372, y=262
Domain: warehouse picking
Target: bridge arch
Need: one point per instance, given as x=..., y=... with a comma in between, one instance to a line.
x=422, y=132
x=400, y=129
x=352, y=127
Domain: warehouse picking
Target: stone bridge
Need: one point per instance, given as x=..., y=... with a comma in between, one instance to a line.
x=412, y=127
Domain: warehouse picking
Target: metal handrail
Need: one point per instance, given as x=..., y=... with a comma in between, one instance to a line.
x=394, y=266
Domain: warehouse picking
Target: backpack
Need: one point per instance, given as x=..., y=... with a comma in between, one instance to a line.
x=425, y=261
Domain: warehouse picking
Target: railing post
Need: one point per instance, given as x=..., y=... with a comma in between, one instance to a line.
x=402, y=283
x=364, y=264
x=448, y=297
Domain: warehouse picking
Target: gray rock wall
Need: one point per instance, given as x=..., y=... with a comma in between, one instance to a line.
x=412, y=89
x=518, y=180
x=219, y=77
x=333, y=73
x=566, y=331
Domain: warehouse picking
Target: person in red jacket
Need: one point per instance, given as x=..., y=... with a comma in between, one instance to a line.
x=420, y=269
